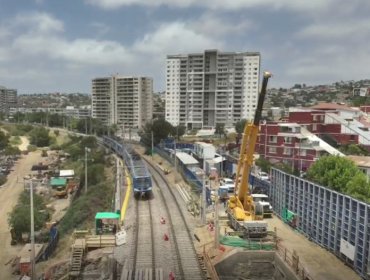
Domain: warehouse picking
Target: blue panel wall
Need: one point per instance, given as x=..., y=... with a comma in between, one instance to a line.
x=325, y=216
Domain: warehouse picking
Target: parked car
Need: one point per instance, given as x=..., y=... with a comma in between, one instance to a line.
x=229, y=183
x=263, y=176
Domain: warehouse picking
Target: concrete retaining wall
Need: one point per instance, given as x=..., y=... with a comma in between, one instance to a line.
x=254, y=265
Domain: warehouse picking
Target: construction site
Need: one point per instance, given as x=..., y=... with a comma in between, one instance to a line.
x=159, y=227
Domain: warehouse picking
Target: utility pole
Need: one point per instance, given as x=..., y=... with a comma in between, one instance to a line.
x=86, y=150
x=217, y=230
x=86, y=126
x=152, y=145
x=175, y=160
x=204, y=202
x=33, y=267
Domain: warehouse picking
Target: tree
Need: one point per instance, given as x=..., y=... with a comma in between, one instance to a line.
x=161, y=130
x=359, y=188
x=178, y=131
x=12, y=151
x=55, y=120
x=353, y=149
x=20, y=219
x=4, y=140
x=264, y=164
x=340, y=174
x=220, y=129
x=39, y=136
x=239, y=126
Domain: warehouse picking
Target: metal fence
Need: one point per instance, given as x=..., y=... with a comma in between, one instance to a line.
x=335, y=221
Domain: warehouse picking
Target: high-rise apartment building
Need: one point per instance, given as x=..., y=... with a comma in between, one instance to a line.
x=122, y=100
x=8, y=99
x=204, y=89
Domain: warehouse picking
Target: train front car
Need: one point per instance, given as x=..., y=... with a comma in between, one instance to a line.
x=141, y=178
x=142, y=186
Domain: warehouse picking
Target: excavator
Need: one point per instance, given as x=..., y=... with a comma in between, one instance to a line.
x=244, y=214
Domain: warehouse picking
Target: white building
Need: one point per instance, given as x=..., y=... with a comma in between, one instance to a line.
x=8, y=99
x=204, y=150
x=204, y=89
x=126, y=101
x=69, y=111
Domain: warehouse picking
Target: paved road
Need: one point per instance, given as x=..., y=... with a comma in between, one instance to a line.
x=9, y=194
x=321, y=264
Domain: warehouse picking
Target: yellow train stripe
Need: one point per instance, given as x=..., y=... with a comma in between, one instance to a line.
x=127, y=195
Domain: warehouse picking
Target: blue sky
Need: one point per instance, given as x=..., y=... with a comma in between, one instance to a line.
x=60, y=46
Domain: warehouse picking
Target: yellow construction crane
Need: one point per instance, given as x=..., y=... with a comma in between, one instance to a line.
x=244, y=214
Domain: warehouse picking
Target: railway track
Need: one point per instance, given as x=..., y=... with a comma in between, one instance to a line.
x=144, y=256
x=186, y=266
x=157, y=249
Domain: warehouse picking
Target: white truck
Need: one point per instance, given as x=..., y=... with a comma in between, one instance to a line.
x=263, y=199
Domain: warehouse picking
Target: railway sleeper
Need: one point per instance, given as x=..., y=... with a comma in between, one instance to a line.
x=203, y=267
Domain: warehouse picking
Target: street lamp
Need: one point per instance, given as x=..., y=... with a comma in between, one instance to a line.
x=87, y=150
x=33, y=267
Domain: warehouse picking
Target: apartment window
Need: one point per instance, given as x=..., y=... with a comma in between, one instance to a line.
x=272, y=150
x=314, y=127
x=287, y=151
x=288, y=140
x=272, y=139
x=303, y=153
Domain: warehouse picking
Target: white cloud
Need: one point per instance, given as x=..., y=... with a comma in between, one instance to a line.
x=37, y=22
x=173, y=38
x=84, y=51
x=38, y=47
x=218, y=25
x=338, y=29
x=100, y=28
x=216, y=4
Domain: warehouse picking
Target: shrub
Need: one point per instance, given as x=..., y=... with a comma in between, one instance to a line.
x=55, y=147
x=81, y=210
x=3, y=180
x=31, y=148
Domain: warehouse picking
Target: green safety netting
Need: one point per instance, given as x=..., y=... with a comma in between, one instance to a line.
x=236, y=241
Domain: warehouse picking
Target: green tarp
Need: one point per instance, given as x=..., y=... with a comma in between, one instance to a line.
x=106, y=215
x=55, y=182
x=235, y=241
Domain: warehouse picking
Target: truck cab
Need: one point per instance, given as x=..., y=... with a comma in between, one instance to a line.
x=263, y=200
x=228, y=183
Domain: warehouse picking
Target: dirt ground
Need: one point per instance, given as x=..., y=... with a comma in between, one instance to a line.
x=25, y=143
x=321, y=264
x=9, y=194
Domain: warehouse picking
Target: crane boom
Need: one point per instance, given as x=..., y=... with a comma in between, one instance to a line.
x=248, y=146
x=241, y=205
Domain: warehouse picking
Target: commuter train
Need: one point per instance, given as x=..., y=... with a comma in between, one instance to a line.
x=141, y=178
